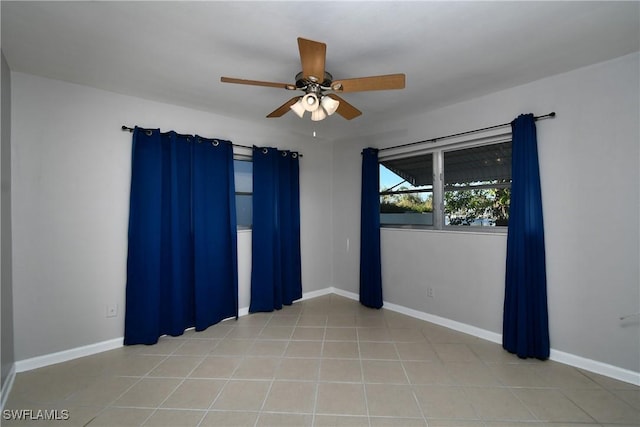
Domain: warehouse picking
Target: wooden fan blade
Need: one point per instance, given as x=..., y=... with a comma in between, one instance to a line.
x=312, y=57
x=345, y=109
x=284, y=108
x=386, y=82
x=288, y=86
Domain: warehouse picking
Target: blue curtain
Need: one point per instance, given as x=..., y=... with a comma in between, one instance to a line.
x=525, y=322
x=276, y=276
x=182, y=256
x=370, y=261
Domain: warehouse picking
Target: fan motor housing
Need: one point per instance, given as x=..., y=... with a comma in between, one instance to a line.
x=302, y=82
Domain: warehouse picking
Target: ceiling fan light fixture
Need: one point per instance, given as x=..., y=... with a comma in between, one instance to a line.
x=318, y=114
x=298, y=108
x=329, y=104
x=310, y=102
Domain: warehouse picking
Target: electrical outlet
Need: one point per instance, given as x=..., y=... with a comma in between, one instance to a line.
x=430, y=292
x=112, y=310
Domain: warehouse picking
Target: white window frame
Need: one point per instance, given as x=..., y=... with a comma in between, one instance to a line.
x=438, y=150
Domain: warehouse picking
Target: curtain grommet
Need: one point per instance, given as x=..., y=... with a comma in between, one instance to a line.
x=215, y=142
x=265, y=151
x=148, y=132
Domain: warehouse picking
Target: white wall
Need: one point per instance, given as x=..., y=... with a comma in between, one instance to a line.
x=589, y=163
x=71, y=177
x=7, y=353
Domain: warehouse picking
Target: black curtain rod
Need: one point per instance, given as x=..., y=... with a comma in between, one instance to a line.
x=433, y=140
x=127, y=128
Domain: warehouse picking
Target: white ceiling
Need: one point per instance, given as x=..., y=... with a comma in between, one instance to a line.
x=176, y=52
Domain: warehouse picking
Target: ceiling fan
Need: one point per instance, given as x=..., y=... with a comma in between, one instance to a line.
x=314, y=81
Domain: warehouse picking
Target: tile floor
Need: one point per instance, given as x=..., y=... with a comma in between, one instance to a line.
x=322, y=362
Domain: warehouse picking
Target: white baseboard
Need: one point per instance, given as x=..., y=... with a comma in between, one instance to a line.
x=7, y=386
x=66, y=355
x=596, y=367
x=590, y=365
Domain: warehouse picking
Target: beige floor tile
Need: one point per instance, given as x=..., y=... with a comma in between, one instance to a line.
x=341, y=398
x=340, y=349
x=48, y=388
x=304, y=349
x=563, y=376
x=148, y=392
x=229, y=419
x=551, y=405
x=341, y=320
x=216, y=367
x=175, y=418
x=374, y=334
x=604, y=406
x=232, y=347
x=253, y=319
x=371, y=320
x=441, y=402
x=427, y=373
x=164, y=346
x=245, y=332
x=301, y=369
x=194, y=394
x=632, y=397
x=340, y=370
x=340, y=421
x=391, y=401
x=453, y=352
x=416, y=351
x=490, y=352
x=318, y=320
x=276, y=332
x=407, y=335
x=326, y=361
x=196, y=347
x=268, y=348
x=341, y=334
x=305, y=333
x=103, y=391
x=471, y=373
x=279, y=319
x=295, y=397
x=125, y=417
x=71, y=417
x=383, y=371
x=497, y=404
x=378, y=350
x=242, y=396
x=517, y=375
x=137, y=365
x=257, y=368
x=176, y=366
x=218, y=331
x=277, y=420
x=397, y=422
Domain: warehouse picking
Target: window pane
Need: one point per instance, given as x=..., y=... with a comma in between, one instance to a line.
x=406, y=191
x=243, y=170
x=244, y=210
x=478, y=185
x=243, y=175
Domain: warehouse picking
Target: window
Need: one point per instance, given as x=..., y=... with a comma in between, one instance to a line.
x=244, y=192
x=465, y=186
x=406, y=191
x=477, y=185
